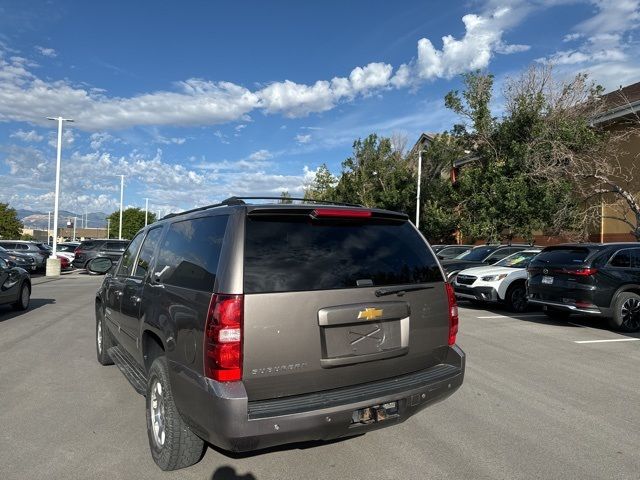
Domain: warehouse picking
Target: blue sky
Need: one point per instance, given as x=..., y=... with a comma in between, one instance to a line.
x=196, y=101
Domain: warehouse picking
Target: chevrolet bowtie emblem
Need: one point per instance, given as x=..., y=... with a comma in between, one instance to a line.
x=370, y=313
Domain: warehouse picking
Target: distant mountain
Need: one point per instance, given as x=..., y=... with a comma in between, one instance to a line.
x=39, y=220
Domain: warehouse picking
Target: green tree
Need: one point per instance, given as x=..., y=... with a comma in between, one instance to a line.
x=285, y=197
x=322, y=187
x=132, y=221
x=499, y=195
x=10, y=226
x=377, y=175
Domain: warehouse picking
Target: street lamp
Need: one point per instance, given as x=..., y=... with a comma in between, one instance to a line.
x=53, y=263
x=121, y=199
x=418, y=195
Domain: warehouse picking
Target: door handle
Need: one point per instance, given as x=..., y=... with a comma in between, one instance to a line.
x=135, y=299
x=118, y=293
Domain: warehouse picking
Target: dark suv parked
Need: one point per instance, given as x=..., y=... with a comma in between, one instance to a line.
x=89, y=249
x=248, y=326
x=593, y=279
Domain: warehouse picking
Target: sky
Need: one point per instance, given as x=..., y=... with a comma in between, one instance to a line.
x=195, y=101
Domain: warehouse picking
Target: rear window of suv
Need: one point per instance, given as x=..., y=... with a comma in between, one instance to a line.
x=296, y=255
x=563, y=256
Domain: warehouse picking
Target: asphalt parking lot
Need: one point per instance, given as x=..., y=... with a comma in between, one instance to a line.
x=540, y=400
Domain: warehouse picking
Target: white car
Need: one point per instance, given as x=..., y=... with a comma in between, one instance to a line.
x=503, y=282
x=67, y=250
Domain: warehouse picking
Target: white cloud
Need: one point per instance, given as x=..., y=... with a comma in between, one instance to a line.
x=603, y=46
x=30, y=136
x=240, y=127
x=221, y=136
x=46, y=52
x=262, y=154
x=68, y=137
x=26, y=97
x=571, y=37
x=303, y=138
x=97, y=139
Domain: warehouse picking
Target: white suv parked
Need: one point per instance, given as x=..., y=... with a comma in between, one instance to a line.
x=503, y=282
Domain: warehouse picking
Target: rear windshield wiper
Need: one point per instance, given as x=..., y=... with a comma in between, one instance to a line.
x=400, y=290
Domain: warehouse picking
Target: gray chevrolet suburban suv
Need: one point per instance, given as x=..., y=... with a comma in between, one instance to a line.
x=253, y=325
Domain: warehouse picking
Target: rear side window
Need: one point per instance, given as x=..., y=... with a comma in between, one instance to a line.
x=294, y=255
x=562, y=256
x=87, y=245
x=190, y=252
x=118, y=246
x=622, y=259
x=635, y=258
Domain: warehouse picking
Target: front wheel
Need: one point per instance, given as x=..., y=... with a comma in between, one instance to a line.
x=24, y=299
x=516, y=298
x=173, y=444
x=626, y=312
x=104, y=341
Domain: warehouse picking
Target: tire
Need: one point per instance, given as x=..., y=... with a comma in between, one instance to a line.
x=173, y=445
x=516, y=297
x=104, y=340
x=626, y=312
x=24, y=299
x=557, y=315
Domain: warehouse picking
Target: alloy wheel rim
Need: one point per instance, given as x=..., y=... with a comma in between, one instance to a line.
x=157, y=414
x=630, y=313
x=518, y=299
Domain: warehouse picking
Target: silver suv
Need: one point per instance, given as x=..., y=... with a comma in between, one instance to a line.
x=253, y=325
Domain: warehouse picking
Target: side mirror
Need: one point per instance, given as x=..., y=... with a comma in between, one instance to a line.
x=100, y=265
x=11, y=264
x=3, y=264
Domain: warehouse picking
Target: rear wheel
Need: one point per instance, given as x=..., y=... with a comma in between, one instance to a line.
x=626, y=312
x=24, y=299
x=173, y=444
x=104, y=341
x=558, y=315
x=516, y=297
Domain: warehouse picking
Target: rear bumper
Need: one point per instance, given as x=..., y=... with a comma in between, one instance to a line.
x=569, y=307
x=226, y=418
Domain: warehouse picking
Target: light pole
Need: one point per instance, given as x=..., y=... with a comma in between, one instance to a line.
x=146, y=210
x=418, y=195
x=108, y=227
x=53, y=262
x=48, y=227
x=121, y=199
x=75, y=219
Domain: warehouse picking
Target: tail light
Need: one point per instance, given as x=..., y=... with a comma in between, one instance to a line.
x=453, y=314
x=77, y=251
x=223, y=338
x=582, y=272
x=341, y=213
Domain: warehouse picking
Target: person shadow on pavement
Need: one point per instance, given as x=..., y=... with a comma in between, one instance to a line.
x=229, y=473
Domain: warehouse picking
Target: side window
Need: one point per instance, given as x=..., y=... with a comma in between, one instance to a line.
x=622, y=259
x=22, y=246
x=145, y=259
x=126, y=263
x=117, y=246
x=498, y=255
x=189, y=254
x=635, y=258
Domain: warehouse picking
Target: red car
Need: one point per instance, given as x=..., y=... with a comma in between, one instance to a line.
x=65, y=264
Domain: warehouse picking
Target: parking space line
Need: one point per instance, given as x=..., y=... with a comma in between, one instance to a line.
x=526, y=315
x=608, y=341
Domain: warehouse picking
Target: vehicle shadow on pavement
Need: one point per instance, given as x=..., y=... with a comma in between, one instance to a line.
x=229, y=473
x=575, y=321
x=7, y=313
x=279, y=448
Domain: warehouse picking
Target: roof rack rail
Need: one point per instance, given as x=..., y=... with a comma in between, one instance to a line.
x=241, y=201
